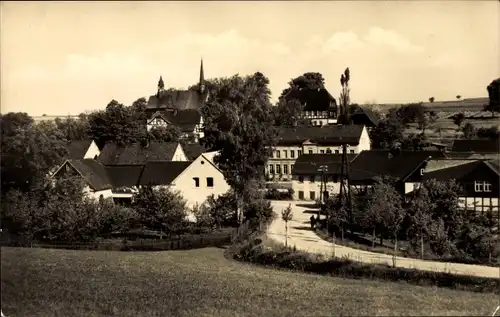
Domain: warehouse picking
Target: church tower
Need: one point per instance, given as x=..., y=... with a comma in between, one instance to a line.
x=202, y=78
x=161, y=87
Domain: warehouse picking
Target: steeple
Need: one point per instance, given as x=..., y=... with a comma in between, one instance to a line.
x=202, y=78
x=161, y=86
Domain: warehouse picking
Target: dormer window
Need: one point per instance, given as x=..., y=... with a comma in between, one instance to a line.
x=482, y=186
x=421, y=172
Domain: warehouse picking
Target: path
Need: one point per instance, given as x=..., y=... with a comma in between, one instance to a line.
x=303, y=238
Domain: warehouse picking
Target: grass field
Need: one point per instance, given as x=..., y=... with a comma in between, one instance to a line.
x=44, y=282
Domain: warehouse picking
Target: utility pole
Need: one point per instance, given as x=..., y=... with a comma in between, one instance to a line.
x=322, y=188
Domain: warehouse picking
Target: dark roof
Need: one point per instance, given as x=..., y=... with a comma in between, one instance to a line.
x=365, y=116
x=124, y=175
x=312, y=99
x=369, y=164
x=308, y=164
x=77, y=149
x=460, y=171
x=186, y=120
x=328, y=134
x=162, y=172
x=194, y=150
x=93, y=172
x=137, y=154
x=177, y=99
x=478, y=146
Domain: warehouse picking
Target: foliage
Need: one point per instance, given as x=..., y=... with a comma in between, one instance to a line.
x=288, y=113
x=275, y=194
x=308, y=80
x=239, y=123
x=489, y=133
x=74, y=129
x=493, y=96
x=415, y=142
x=217, y=211
x=29, y=151
x=458, y=119
x=259, y=211
x=160, y=209
x=165, y=134
x=469, y=131
x=410, y=113
x=118, y=123
x=431, y=99
x=387, y=134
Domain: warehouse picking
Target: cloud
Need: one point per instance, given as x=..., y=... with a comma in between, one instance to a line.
x=380, y=37
x=341, y=41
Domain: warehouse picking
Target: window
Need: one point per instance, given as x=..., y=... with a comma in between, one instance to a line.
x=487, y=186
x=278, y=154
x=271, y=169
x=478, y=186
x=301, y=195
x=320, y=123
x=310, y=151
x=301, y=179
x=291, y=169
x=328, y=151
x=292, y=154
x=278, y=169
x=196, y=181
x=322, y=151
x=421, y=171
x=274, y=153
x=311, y=179
x=312, y=195
x=337, y=152
x=299, y=153
x=352, y=151
x=284, y=154
x=285, y=169
x=210, y=182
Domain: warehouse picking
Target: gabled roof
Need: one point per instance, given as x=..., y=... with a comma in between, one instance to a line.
x=328, y=135
x=434, y=165
x=78, y=149
x=460, y=171
x=478, y=146
x=185, y=120
x=93, y=172
x=369, y=164
x=137, y=154
x=312, y=99
x=194, y=150
x=358, y=117
x=177, y=99
x=162, y=172
x=124, y=175
x=308, y=164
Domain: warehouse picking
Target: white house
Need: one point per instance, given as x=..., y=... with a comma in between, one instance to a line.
x=92, y=172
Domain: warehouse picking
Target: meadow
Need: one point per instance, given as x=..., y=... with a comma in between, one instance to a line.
x=203, y=282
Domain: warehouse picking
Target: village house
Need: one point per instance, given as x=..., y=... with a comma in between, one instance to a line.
x=479, y=181
x=405, y=167
x=476, y=148
x=320, y=108
x=294, y=142
x=307, y=175
x=179, y=108
x=140, y=154
x=365, y=116
x=78, y=150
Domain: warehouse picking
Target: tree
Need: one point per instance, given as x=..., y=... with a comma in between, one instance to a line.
x=493, y=97
x=458, y=97
x=308, y=80
x=490, y=133
x=286, y=215
x=338, y=215
x=458, y=119
x=29, y=151
x=160, y=209
x=169, y=133
x=217, y=211
x=419, y=209
x=239, y=123
x=288, y=113
x=74, y=129
x=119, y=123
x=469, y=130
x=387, y=133
x=12, y=122
x=431, y=99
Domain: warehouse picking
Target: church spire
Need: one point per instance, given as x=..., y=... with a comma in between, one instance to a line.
x=161, y=86
x=202, y=78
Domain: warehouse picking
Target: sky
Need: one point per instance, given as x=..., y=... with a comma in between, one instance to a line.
x=61, y=58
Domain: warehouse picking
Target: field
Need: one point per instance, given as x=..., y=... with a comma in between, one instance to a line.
x=44, y=282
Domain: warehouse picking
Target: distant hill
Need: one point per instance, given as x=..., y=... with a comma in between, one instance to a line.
x=468, y=104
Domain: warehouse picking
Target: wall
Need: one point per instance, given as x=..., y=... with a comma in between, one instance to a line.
x=179, y=155
x=201, y=168
x=107, y=193
x=479, y=203
x=92, y=151
x=333, y=188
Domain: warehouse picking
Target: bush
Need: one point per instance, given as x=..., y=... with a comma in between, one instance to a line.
x=275, y=194
x=255, y=251
x=217, y=212
x=259, y=212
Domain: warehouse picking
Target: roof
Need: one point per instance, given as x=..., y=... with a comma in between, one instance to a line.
x=124, y=175
x=93, y=172
x=478, y=145
x=369, y=164
x=371, y=118
x=308, y=164
x=137, y=154
x=460, y=171
x=162, y=172
x=78, y=149
x=312, y=99
x=434, y=165
x=186, y=120
x=328, y=135
x=194, y=150
x=177, y=99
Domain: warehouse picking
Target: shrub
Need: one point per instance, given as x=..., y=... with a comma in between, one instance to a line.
x=259, y=212
x=275, y=194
